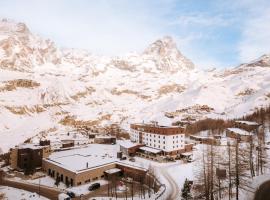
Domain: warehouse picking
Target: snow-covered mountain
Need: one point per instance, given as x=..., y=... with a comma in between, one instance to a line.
x=45, y=89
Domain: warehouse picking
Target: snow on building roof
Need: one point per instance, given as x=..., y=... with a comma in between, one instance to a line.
x=127, y=144
x=104, y=136
x=91, y=156
x=113, y=171
x=248, y=123
x=239, y=131
x=187, y=154
x=149, y=149
x=30, y=146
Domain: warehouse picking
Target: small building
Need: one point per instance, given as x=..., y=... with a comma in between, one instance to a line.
x=129, y=148
x=105, y=139
x=68, y=143
x=28, y=157
x=205, y=139
x=237, y=133
x=246, y=125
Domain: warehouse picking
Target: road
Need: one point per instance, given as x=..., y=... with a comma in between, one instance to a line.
x=263, y=191
x=172, y=187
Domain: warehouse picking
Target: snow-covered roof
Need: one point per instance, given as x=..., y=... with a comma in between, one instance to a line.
x=239, y=131
x=113, y=171
x=91, y=156
x=187, y=154
x=104, y=136
x=29, y=146
x=248, y=123
x=149, y=149
x=127, y=144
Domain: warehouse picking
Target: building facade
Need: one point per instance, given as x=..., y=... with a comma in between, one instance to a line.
x=171, y=140
x=28, y=157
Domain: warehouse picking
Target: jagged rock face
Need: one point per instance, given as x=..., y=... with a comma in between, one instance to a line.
x=263, y=61
x=20, y=50
x=167, y=57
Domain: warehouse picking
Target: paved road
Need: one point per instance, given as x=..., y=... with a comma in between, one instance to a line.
x=263, y=192
x=50, y=193
x=172, y=187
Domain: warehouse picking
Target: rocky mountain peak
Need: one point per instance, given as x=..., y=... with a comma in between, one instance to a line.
x=167, y=57
x=263, y=61
x=21, y=50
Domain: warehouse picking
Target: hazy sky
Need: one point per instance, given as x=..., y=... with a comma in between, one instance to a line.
x=216, y=33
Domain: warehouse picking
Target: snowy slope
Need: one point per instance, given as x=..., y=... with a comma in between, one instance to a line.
x=45, y=88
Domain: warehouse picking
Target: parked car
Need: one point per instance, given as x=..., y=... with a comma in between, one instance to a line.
x=132, y=159
x=123, y=158
x=63, y=196
x=71, y=194
x=94, y=186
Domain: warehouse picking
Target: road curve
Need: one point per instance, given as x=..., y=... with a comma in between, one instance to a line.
x=263, y=192
x=174, y=194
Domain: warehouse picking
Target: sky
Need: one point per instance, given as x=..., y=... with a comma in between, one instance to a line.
x=212, y=33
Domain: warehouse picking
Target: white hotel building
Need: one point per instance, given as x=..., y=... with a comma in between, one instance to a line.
x=170, y=140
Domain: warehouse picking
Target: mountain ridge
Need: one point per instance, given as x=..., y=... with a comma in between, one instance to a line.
x=42, y=97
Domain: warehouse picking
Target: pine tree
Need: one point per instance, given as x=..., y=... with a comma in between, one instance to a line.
x=186, y=190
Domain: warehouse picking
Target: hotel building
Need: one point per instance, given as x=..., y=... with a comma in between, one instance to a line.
x=169, y=139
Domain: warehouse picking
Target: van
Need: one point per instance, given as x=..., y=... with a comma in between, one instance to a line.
x=94, y=186
x=63, y=196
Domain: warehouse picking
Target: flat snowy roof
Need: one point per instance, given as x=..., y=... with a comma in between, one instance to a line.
x=113, y=171
x=96, y=155
x=149, y=149
x=91, y=156
x=127, y=143
x=247, y=122
x=239, y=131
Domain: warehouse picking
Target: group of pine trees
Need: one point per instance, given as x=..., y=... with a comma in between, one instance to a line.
x=241, y=161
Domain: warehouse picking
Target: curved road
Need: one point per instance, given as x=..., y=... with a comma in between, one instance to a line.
x=174, y=189
x=263, y=192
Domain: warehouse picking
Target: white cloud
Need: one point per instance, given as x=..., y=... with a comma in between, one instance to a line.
x=203, y=19
x=103, y=27
x=255, y=39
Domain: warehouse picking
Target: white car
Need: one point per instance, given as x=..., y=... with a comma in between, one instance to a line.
x=63, y=196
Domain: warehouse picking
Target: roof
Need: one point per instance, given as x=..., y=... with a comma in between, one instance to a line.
x=113, y=171
x=96, y=155
x=127, y=144
x=239, y=131
x=76, y=159
x=105, y=136
x=30, y=146
x=154, y=125
x=248, y=123
x=187, y=154
x=149, y=149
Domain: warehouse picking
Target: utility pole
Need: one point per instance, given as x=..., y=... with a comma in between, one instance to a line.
x=39, y=187
x=237, y=169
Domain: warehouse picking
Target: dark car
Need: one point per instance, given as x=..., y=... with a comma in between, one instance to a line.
x=71, y=194
x=94, y=186
x=123, y=158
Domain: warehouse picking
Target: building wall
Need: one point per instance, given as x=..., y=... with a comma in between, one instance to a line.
x=14, y=158
x=29, y=159
x=54, y=171
x=92, y=174
x=78, y=178
x=158, y=137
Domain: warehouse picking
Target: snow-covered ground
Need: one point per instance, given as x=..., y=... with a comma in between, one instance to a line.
x=10, y=193
x=75, y=87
